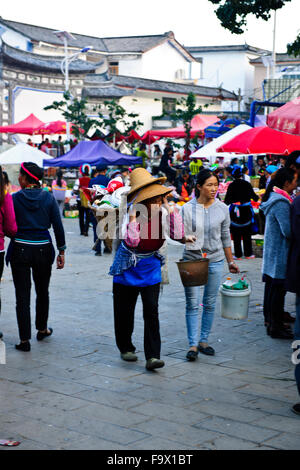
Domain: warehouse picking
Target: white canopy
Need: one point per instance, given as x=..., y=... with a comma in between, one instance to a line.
x=210, y=150
x=23, y=153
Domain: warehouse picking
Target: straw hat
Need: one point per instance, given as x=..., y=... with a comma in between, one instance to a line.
x=144, y=186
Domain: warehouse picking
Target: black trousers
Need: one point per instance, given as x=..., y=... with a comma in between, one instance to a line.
x=38, y=260
x=84, y=219
x=237, y=234
x=125, y=298
x=274, y=303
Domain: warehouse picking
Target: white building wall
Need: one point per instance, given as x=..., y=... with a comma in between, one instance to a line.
x=145, y=106
x=131, y=67
x=231, y=70
x=27, y=101
x=15, y=39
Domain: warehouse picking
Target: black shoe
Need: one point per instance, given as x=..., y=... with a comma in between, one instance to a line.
x=107, y=250
x=23, y=346
x=154, y=363
x=287, y=318
x=86, y=234
x=1, y=334
x=98, y=253
x=281, y=334
x=209, y=351
x=296, y=408
x=192, y=355
x=40, y=336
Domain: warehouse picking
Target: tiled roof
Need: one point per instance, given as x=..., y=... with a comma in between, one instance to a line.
x=111, y=44
x=137, y=83
x=42, y=62
x=229, y=48
x=38, y=33
x=111, y=91
x=280, y=57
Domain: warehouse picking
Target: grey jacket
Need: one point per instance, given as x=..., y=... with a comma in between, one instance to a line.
x=210, y=226
x=277, y=210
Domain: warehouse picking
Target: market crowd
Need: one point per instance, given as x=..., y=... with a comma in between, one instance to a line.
x=207, y=208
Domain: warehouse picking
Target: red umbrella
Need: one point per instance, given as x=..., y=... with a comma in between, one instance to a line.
x=54, y=127
x=148, y=138
x=133, y=135
x=262, y=140
x=286, y=118
x=27, y=126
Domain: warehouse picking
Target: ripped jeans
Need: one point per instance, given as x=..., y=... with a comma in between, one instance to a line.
x=192, y=294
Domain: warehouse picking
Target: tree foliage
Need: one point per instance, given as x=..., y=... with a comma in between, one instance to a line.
x=116, y=120
x=185, y=112
x=74, y=110
x=233, y=15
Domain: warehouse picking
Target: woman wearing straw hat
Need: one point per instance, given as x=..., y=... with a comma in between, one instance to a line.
x=137, y=264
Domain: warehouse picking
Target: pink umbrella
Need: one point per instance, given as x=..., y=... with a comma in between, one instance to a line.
x=54, y=127
x=286, y=118
x=262, y=140
x=26, y=126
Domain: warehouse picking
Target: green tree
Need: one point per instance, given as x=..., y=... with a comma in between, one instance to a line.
x=74, y=110
x=233, y=15
x=117, y=118
x=185, y=112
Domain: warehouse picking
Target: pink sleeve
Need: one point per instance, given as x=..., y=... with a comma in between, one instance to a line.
x=176, y=226
x=132, y=237
x=9, y=219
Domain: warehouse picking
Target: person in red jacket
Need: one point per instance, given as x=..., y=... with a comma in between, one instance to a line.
x=8, y=226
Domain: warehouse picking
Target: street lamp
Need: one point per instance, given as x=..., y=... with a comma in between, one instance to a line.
x=65, y=36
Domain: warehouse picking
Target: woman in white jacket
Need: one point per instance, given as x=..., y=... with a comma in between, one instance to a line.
x=208, y=219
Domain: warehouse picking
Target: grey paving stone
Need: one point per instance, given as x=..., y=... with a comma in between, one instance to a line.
x=244, y=431
x=285, y=441
x=170, y=413
x=99, y=401
x=281, y=423
x=234, y=412
x=184, y=433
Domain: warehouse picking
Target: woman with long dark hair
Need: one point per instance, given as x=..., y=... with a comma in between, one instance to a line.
x=238, y=198
x=276, y=205
x=8, y=226
x=208, y=219
x=32, y=251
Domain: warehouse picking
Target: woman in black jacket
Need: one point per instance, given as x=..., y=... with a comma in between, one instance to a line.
x=32, y=250
x=238, y=196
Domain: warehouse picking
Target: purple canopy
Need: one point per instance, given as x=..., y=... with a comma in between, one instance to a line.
x=94, y=153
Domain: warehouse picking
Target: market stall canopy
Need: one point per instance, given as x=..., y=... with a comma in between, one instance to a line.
x=220, y=127
x=286, y=118
x=149, y=138
x=53, y=127
x=262, y=140
x=210, y=150
x=132, y=136
x=28, y=126
x=95, y=153
x=198, y=123
x=23, y=153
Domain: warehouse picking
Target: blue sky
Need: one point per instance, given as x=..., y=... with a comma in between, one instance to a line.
x=193, y=21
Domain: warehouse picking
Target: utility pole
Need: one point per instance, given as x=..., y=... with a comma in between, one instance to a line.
x=239, y=100
x=274, y=52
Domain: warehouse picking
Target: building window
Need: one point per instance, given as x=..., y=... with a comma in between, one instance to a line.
x=168, y=105
x=114, y=68
x=180, y=74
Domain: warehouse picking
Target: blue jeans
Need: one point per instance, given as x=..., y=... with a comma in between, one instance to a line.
x=192, y=294
x=297, y=337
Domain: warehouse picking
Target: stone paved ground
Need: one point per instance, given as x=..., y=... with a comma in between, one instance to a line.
x=72, y=391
